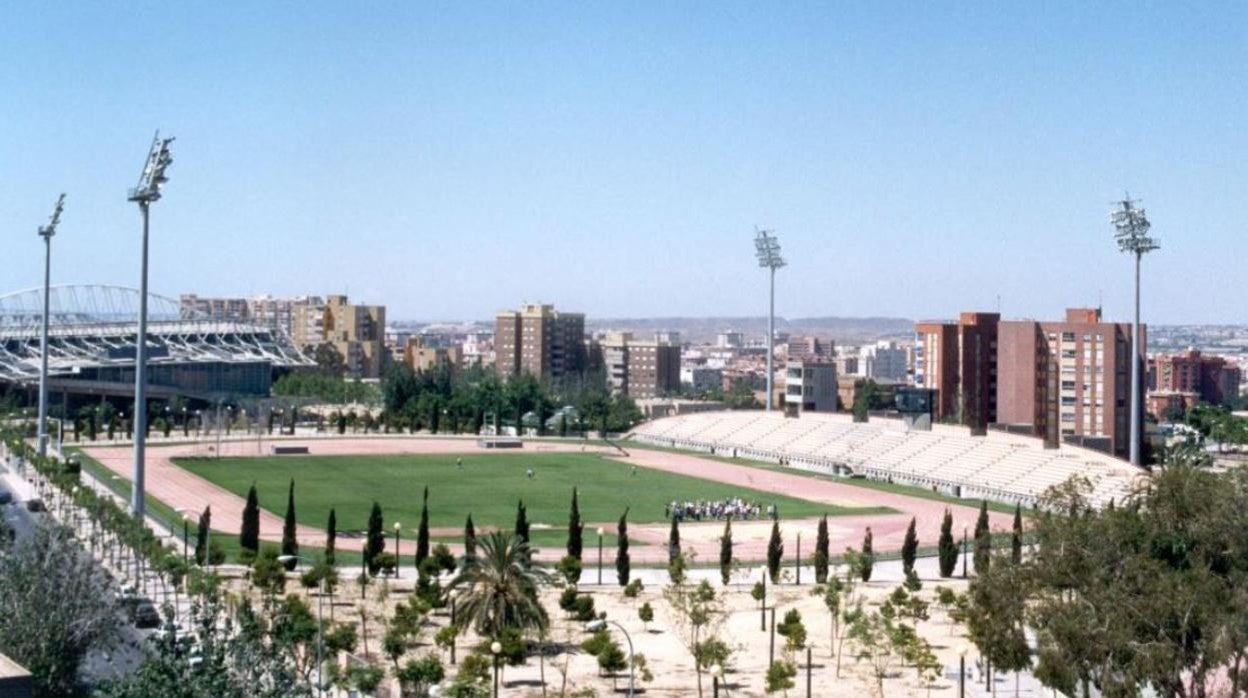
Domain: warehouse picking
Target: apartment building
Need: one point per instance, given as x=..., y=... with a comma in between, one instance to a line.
x=884, y=360
x=1067, y=381
x=266, y=311
x=640, y=369
x=807, y=348
x=420, y=355
x=959, y=361
x=356, y=331
x=810, y=386
x=539, y=340
x=1212, y=378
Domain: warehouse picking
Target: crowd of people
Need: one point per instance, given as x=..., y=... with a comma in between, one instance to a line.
x=732, y=508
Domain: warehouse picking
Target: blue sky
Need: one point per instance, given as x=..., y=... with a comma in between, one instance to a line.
x=452, y=159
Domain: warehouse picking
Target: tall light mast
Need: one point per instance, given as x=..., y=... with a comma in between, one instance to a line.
x=145, y=194
x=1131, y=228
x=768, y=249
x=46, y=232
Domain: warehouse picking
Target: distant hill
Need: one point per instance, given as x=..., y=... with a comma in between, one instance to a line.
x=843, y=330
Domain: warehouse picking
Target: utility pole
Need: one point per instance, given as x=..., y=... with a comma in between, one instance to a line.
x=46, y=232
x=1131, y=229
x=767, y=248
x=145, y=194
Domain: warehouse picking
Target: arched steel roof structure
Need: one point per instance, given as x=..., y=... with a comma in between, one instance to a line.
x=96, y=326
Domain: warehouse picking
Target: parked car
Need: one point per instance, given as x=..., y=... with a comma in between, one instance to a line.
x=145, y=615
x=35, y=505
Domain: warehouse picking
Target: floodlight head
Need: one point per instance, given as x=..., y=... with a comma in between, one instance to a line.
x=47, y=231
x=767, y=247
x=153, y=176
x=1131, y=228
x=594, y=626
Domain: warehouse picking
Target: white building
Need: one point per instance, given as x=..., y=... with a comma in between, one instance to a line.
x=883, y=360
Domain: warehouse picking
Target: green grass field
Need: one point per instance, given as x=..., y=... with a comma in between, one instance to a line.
x=488, y=487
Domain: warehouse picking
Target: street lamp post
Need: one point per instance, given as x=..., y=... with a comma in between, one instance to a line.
x=767, y=248
x=717, y=673
x=1131, y=228
x=46, y=232
x=495, y=648
x=595, y=626
x=964, y=552
x=962, y=650
x=600, y=556
x=145, y=194
x=397, y=566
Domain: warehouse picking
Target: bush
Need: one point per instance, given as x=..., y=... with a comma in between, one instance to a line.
x=567, y=600
x=443, y=558
x=569, y=568
x=634, y=588
x=584, y=608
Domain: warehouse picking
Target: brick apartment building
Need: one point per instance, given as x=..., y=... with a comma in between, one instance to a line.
x=538, y=340
x=959, y=361
x=1067, y=381
x=1212, y=379
x=640, y=369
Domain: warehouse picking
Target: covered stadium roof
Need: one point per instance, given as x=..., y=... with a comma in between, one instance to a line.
x=97, y=326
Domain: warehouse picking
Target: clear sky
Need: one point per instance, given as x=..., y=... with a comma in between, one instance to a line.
x=452, y=159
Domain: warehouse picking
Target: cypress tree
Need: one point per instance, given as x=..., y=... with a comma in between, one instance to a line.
x=422, y=535
x=868, y=556
x=522, y=529
x=673, y=541
x=331, y=537
x=947, y=550
x=201, y=537
x=375, y=543
x=470, y=539
x=983, y=540
x=909, y=548
x=290, y=544
x=1016, y=540
x=249, y=535
x=725, y=553
x=622, y=561
x=821, y=551
x=576, y=528
x=775, y=552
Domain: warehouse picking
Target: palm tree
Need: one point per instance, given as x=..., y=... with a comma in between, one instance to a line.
x=497, y=589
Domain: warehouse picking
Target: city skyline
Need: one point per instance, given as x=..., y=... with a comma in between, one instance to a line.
x=913, y=164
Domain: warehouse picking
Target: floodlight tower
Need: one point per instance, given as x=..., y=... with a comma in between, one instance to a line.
x=1131, y=229
x=768, y=249
x=145, y=194
x=46, y=232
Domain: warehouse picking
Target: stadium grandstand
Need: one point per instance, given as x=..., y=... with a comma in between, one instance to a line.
x=92, y=344
x=998, y=466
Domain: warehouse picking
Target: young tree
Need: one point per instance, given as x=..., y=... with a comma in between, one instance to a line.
x=780, y=677
x=868, y=556
x=645, y=614
x=982, y=556
x=673, y=541
x=422, y=534
x=622, y=562
x=909, y=548
x=331, y=537
x=775, y=552
x=947, y=549
x=375, y=541
x=725, y=553
x=522, y=523
x=470, y=539
x=249, y=535
x=1016, y=539
x=821, y=556
x=290, y=543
